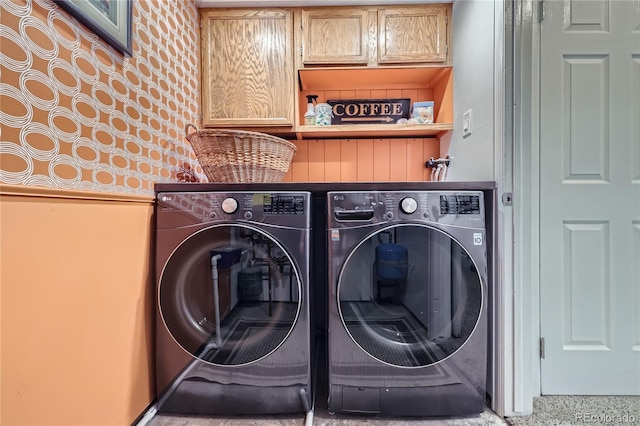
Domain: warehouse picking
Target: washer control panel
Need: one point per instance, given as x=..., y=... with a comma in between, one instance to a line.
x=460, y=204
x=465, y=208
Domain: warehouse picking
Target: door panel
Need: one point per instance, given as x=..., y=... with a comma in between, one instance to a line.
x=635, y=112
x=636, y=278
x=590, y=197
x=585, y=143
x=586, y=255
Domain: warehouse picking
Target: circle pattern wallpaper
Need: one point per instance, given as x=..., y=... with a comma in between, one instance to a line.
x=77, y=114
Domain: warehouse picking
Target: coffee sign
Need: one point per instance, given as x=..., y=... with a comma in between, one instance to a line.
x=369, y=111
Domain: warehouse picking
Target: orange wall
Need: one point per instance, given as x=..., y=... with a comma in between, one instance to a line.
x=76, y=307
x=85, y=131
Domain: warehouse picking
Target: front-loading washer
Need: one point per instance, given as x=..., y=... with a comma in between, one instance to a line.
x=232, y=329
x=407, y=303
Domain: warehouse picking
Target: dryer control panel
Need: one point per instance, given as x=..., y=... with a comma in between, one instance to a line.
x=283, y=204
x=276, y=208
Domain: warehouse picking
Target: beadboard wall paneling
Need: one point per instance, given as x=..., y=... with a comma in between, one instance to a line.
x=362, y=160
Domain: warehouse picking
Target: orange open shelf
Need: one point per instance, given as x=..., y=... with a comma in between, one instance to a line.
x=417, y=84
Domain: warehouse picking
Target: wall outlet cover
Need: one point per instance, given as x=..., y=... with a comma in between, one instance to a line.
x=466, y=123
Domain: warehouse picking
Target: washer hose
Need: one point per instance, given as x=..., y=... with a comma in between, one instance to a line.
x=216, y=300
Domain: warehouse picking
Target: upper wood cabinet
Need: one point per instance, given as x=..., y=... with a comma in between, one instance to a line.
x=338, y=35
x=375, y=36
x=412, y=34
x=248, y=67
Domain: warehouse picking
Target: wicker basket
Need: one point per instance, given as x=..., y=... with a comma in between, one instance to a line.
x=240, y=156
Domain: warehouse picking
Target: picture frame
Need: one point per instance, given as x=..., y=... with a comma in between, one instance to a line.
x=109, y=19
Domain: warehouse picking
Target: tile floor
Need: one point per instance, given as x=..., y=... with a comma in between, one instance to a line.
x=577, y=410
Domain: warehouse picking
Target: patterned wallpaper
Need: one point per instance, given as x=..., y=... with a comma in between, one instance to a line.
x=77, y=114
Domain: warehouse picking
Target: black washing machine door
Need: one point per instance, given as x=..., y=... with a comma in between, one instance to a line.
x=237, y=309
x=410, y=295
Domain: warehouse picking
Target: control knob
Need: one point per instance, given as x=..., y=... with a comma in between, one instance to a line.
x=229, y=205
x=408, y=205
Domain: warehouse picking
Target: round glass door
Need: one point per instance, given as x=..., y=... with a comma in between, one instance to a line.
x=409, y=295
x=237, y=308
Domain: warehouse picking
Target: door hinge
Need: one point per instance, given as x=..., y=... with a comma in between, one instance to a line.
x=507, y=199
x=542, y=348
x=541, y=11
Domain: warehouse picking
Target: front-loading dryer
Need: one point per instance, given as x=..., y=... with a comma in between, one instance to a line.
x=232, y=330
x=407, y=303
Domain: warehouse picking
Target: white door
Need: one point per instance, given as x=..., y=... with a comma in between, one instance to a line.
x=590, y=197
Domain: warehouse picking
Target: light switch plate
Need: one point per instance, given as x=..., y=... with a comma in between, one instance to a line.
x=466, y=123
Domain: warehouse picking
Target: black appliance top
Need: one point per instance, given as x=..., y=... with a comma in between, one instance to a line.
x=326, y=186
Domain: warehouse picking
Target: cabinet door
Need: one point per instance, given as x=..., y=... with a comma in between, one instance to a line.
x=413, y=34
x=338, y=36
x=248, y=68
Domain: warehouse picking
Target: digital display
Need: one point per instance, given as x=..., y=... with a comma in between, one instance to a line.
x=459, y=204
x=283, y=204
